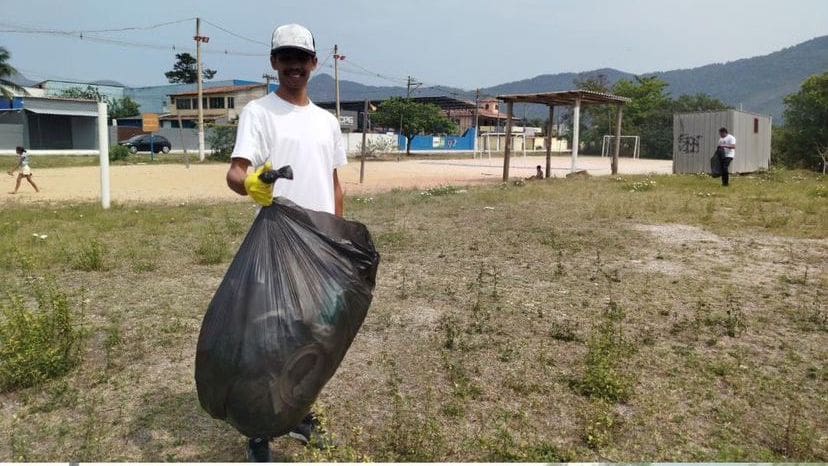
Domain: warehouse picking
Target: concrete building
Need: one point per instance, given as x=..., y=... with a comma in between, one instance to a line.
x=696, y=135
x=48, y=123
x=219, y=104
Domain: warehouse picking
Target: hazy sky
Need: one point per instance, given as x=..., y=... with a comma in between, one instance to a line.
x=465, y=44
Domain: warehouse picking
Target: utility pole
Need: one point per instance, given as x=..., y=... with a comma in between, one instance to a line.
x=199, y=39
x=364, y=131
x=476, y=118
x=336, y=79
x=268, y=78
x=410, y=82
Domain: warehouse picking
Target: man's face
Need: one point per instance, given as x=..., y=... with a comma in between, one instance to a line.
x=722, y=133
x=293, y=67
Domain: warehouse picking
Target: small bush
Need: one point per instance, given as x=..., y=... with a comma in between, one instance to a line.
x=118, y=152
x=221, y=139
x=37, y=345
x=90, y=257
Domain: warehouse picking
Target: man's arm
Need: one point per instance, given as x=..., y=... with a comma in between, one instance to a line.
x=237, y=173
x=339, y=197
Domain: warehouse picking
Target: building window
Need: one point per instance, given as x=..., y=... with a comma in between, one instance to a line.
x=183, y=104
x=204, y=102
x=231, y=102
x=755, y=125
x=216, y=102
x=195, y=103
x=487, y=106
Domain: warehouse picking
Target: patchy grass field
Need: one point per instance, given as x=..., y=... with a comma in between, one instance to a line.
x=661, y=318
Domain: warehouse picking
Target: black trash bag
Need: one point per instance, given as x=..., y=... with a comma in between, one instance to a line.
x=283, y=317
x=716, y=163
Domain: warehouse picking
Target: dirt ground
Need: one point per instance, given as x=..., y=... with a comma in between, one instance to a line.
x=176, y=183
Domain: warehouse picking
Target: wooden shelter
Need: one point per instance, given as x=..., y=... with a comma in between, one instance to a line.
x=574, y=99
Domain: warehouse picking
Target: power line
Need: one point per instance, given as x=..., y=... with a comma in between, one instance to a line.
x=375, y=74
x=328, y=56
x=90, y=36
x=30, y=30
x=236, y=34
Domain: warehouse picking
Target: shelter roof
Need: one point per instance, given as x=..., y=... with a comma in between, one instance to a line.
x=566, y=98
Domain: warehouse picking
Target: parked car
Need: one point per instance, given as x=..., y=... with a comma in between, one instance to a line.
x=142, y=142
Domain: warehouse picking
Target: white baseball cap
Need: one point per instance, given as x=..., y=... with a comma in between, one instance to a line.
x=293, y=36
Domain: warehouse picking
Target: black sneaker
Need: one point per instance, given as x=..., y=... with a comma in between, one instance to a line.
x=258, y=451
x=309, y=432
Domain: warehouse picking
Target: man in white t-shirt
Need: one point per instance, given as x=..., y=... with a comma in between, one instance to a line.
x=286, y=128
x=727, y=144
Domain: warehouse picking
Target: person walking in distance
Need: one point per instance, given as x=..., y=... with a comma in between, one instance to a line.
x=727, y=150
x=23, y=170
x=286, y=128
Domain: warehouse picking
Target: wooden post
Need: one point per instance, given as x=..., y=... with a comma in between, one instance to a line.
x=364, y=130
x=576, y=123
x=549, y=140
x=508, y=143
x=615, y=154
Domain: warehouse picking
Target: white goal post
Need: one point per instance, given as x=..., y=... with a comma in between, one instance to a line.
x=608, y=145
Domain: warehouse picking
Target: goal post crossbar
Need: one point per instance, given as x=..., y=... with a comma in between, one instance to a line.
x=607, y=146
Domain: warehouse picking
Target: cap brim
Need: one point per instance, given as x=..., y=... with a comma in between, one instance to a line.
x=292, y=47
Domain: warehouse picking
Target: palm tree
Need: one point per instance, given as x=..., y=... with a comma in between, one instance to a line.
x=6, y=71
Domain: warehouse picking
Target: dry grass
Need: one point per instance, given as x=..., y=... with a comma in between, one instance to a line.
x=557, y=321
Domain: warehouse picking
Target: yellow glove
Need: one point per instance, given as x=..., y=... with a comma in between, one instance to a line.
x=257, y=189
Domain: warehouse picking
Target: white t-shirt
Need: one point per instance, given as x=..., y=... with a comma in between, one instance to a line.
x=307, y=138
x=731, y=141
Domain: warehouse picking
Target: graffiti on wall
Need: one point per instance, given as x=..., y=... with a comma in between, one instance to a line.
x=689, y=143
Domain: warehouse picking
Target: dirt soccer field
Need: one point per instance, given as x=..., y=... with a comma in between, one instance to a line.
x=176, y=183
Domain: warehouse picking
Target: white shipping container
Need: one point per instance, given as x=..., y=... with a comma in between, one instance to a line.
x=696, y=135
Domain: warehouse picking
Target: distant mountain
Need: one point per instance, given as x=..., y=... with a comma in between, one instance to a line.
x=21, y=80
x=758, y=84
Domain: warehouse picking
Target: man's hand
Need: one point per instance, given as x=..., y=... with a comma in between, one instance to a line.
x=257, y=189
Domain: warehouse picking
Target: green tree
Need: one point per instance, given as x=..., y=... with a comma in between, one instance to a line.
x=185, y=70
x=118, y=108
x=649, y=114
x=803, y=141
x=6, y=70
x=596, y=121
x=416, y=118
x=123, y=107
x=697, y=103
x=90, y=93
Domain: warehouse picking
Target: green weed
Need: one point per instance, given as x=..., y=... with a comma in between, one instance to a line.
x=90, y=257
x=37, y=344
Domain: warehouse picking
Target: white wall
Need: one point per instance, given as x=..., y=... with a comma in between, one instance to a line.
x=353, y=141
